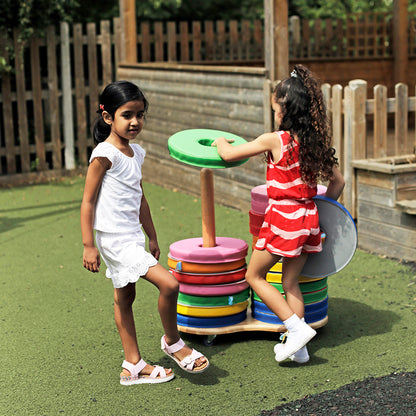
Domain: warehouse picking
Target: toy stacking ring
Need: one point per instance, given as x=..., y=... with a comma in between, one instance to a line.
x=193, y=147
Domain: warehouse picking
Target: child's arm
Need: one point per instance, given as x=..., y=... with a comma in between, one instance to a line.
x=267, y=142
x=95, y=174
x=149, y=228
x=336, y=185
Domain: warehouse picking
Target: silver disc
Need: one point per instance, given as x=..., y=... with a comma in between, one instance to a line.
x=340, y=243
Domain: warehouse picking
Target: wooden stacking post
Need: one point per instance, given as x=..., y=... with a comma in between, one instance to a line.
x=208, y=208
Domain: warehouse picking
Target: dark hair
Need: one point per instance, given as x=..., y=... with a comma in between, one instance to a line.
x=304, y=115
x=114, y=96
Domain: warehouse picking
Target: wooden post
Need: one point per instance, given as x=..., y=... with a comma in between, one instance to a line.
x=276, y=38
x=208, y=208
x=128, y=23
x=67, y=108
x=400, y=40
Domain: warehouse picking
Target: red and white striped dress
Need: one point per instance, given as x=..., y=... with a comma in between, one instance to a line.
x=291, y=222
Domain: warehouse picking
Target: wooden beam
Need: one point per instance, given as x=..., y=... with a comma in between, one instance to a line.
x=276, y=38
x=400, y=40
x=128, y=22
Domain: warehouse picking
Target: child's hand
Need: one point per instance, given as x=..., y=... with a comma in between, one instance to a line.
x=154, y=249
x=91, y=259
x=221, y=140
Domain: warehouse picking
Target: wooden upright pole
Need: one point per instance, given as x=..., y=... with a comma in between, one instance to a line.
x=400, y=40
x=128, y=24
x=208, y=208
x=276, y=38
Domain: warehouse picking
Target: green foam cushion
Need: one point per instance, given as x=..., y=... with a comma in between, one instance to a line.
x=193, y=147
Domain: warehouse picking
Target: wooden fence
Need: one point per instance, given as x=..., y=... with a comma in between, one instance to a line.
x=49, y=101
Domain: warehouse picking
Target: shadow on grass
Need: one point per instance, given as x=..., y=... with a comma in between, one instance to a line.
x=348, y=320
x=7, y=223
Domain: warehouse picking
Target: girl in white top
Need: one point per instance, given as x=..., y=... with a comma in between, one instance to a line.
x=115, y=206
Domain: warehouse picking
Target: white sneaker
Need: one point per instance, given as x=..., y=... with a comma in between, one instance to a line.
x=294, y=342
x=301, y=356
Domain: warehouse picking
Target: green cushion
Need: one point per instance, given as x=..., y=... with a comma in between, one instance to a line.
x=193, y=147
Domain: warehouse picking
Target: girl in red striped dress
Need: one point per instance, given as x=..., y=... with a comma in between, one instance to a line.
x=298, y=155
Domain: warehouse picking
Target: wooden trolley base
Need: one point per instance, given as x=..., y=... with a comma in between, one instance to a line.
x=249, y=324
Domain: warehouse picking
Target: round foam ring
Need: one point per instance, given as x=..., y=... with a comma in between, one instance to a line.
x=310, y=308
x=193, y=147
x=187, y=267
x=276, y=277
x=259, y=193
x=201, y=312
x=213, y=290
x=254, y=230
x=210, y=279
x=226, y=250
x=308, y=298
x=273, y=319
x=218, y=322
x=318, y=312
x=341, y=239
x=213, y=301
x=255, y=220
x=305, y=287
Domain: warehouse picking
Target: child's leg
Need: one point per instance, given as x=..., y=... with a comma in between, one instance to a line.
x=291, y=268
x=168, y=295
x=260, y=263
x=123, y=314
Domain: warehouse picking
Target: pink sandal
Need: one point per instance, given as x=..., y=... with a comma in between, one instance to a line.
x=158, y=375
x=188, y=362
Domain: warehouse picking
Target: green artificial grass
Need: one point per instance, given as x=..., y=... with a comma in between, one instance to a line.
x=60, y=352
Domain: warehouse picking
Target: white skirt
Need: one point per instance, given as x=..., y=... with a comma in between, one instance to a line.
x=125, y=256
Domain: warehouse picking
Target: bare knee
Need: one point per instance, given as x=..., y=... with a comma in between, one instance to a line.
x=124, y=297
x=170, y=287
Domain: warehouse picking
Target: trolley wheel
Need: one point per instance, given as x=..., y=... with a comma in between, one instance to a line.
x=209, y=340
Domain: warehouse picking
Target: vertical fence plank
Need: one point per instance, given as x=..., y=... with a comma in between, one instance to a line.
x=67, y=107
x=348, y=152
x=37, y=103
x=53, y=100
x=401, y=119
x=234, y=41
x=21, y=103
x=106, y=60
x=145, y=41
x=7, y=111
x=159, y=55
x=80, y=94
x=184, y=41
x=380, y=121
x=359, y=96
x=117, y=41
x=258, y=40
x=245, y=40
x=221, y=46
x=294, y=24
x=196, y=41
x=336, y=119
x=209, y=40
x=172, y=41
x=92, y=71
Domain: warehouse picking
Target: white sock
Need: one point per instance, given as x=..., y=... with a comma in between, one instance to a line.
x=292, y=323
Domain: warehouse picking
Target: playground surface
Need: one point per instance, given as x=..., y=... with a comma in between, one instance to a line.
x=61, y=354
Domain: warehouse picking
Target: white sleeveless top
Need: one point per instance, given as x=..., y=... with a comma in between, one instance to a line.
x=118, y=204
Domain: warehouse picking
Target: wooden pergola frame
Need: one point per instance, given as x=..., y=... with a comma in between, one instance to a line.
x=276, y=37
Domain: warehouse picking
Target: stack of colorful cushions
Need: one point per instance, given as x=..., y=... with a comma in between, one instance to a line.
x=213, y=292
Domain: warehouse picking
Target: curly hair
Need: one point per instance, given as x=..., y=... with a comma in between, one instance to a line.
x=304, y=116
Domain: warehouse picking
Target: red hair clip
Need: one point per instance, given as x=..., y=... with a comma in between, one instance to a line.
x=102, y=107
